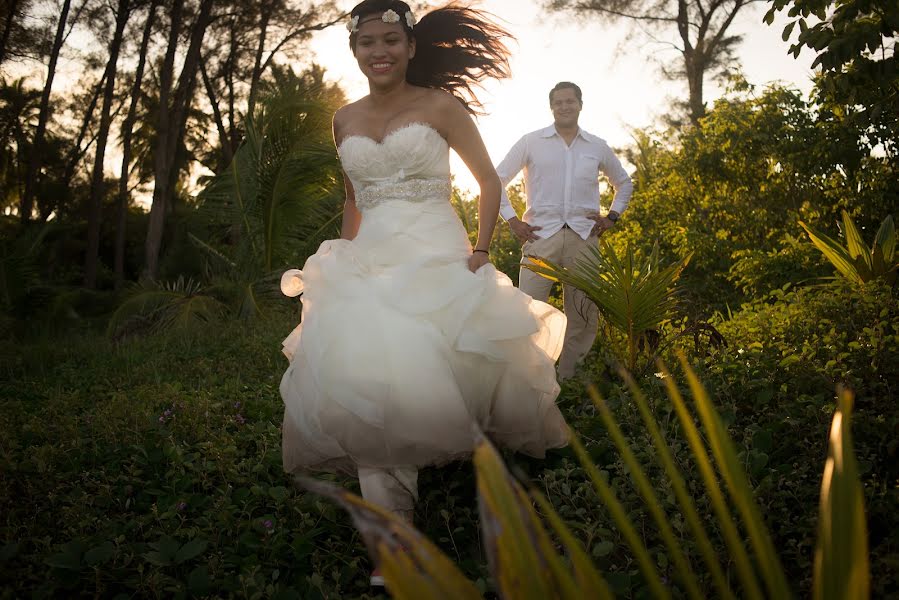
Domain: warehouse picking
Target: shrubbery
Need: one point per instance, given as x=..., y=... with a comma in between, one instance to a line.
x=734, y=189
x=789, y=351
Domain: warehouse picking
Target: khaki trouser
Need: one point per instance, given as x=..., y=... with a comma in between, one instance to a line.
x=563, y=248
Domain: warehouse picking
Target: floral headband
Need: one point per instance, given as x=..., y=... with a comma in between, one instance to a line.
x=389, y=16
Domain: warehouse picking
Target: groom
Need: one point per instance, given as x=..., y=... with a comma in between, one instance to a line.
x=561, y=220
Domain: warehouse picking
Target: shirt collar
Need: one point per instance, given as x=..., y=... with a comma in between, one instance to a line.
x=550, y=131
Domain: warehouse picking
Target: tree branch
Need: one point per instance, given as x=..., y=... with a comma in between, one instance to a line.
x=294, y=35
x=75, y=16
x=700, y=8
x=712, y=48
x=224, y=138
x=624, y=15
x=683, y=28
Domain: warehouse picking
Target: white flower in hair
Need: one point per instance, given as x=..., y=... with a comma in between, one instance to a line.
x=410, y=19
x=353, y=24
x=390, y=16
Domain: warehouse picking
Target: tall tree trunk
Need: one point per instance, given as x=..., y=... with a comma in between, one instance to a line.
x=157, y=209
x=180, y=155
x=95, y=211
x=257, y=65
x=11, y=7
x=171, y=123
x=230, y=68
x=34, y=164
x=127, y=130
x=77, y=151
x=695, y=76
x=227, y=154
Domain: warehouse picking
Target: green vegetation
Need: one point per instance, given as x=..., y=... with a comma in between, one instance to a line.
x=857, y=262
x=633, y=298
x=733, y=192
x=526, y=564
x=153, y=466
x=121, y=461
x=140, y=423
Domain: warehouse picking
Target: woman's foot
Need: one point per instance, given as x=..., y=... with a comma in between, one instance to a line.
x=376, y=579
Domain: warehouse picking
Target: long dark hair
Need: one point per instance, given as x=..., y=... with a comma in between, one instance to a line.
x=457, y=48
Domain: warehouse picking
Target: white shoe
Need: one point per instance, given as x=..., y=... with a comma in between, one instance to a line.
x=376, y=579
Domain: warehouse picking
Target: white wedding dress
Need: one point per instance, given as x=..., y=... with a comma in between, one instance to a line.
x=402, y=349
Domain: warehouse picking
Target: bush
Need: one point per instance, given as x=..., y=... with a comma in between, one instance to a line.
x=788, y=352
x=733, y=190
x=756, y=272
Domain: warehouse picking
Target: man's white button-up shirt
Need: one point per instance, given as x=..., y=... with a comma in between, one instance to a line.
x=562, y=182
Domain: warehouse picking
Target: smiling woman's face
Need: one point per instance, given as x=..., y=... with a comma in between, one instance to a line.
x=383, y=50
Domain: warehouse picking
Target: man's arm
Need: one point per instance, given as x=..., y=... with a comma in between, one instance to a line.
x=618, y=177
x=624, y=188
x=507, y=170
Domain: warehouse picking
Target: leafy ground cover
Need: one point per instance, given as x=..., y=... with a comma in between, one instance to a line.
x=775, y=388
x=152, y=467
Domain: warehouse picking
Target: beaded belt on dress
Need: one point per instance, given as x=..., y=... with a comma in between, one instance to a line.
x=410, y=190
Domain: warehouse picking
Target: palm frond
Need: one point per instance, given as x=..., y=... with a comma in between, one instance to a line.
x=281, y=190
x=633, y=296
x=886, y=240
x=156, y=306
x=854, y=242
x=856, y=261
x=835, y=252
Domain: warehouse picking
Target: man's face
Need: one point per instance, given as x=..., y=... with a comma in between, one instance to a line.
x=566, y=107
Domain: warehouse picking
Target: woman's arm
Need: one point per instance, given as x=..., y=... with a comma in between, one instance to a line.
x=464, y=137
x=349, y=226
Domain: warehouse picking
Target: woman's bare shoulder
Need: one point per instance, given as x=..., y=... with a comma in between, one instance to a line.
x=443, y=110
x=347, y=113
x=441, y=98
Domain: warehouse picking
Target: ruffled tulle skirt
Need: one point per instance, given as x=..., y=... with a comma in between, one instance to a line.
x=402, y=350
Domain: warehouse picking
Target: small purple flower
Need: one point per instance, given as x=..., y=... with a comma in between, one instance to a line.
x=182, y=506
x=237, y=405
x=240, y=419
x=268, y=524
x=162, y=419
x=168, y=412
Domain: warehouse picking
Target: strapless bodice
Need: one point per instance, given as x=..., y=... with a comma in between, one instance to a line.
x=410, y=164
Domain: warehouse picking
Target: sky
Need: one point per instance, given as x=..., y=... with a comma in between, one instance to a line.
x=622, y=87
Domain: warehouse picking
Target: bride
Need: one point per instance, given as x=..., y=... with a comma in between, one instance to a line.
x=409, y=336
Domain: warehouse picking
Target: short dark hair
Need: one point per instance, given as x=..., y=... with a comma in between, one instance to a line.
x=567, y=85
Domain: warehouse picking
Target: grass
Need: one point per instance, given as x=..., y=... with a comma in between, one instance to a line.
x=153, y=468
x=165, y=440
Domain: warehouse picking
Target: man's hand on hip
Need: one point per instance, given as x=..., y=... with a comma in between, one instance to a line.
x=602, y=224
x=523, y=231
